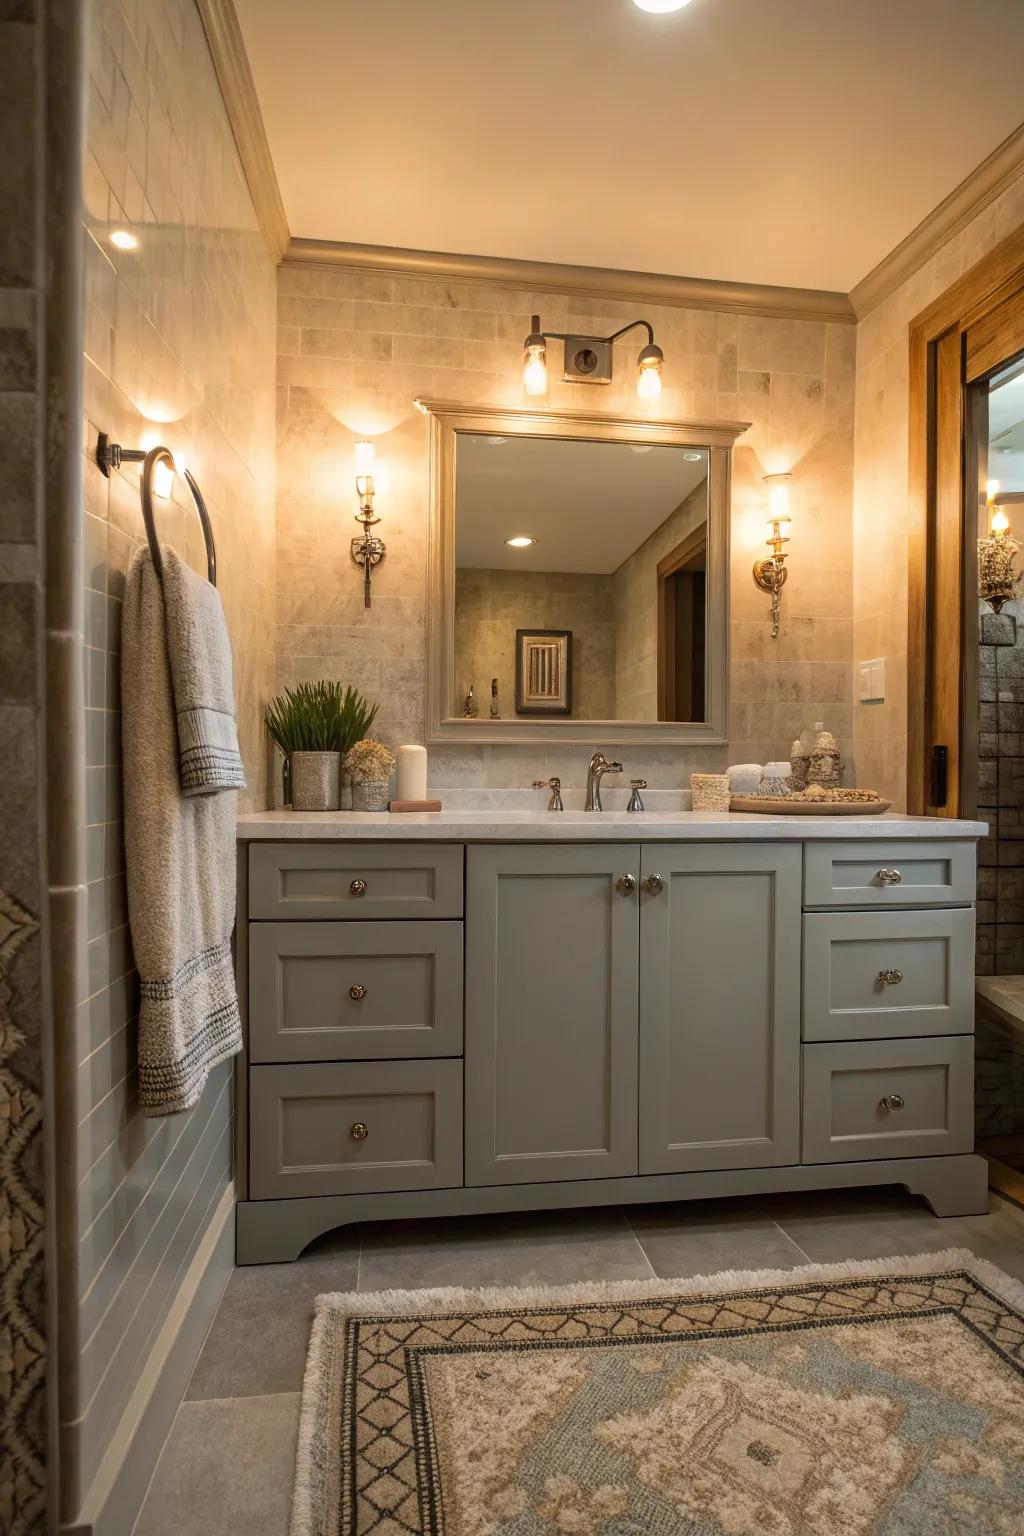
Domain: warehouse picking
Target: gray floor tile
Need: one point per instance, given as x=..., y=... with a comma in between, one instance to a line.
x=549, y=1248
x=226, y=1469
x=259, y=1337
x=875, y=1224
x=702, y=1237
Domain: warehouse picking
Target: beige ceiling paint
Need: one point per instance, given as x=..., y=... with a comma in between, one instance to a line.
x=771, y=141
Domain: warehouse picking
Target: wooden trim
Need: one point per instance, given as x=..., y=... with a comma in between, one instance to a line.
x=968, y=303
x=953, y=214
x=997, y=337
x=444, y=419
x=694, y=541
x=584, y=282
x=231, y=64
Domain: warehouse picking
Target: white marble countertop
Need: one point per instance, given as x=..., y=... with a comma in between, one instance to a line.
x=501, y=826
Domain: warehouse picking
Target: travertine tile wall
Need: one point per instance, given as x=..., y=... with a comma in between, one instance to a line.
x=881, y=487
x=179, y=347
x=356, y=348
x=490, y=605
x=636, y=610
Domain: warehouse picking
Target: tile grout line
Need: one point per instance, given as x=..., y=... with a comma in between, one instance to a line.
x=636, y=1238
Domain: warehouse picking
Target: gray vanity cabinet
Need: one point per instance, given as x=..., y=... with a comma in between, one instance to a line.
x=719, y=1006
x=551, y=1008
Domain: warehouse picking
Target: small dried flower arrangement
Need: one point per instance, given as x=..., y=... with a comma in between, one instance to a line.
x=369, y=762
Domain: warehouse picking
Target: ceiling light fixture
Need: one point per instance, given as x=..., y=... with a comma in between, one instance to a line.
x=693, y=458
x=124, y=239
x=521, y=541
x=588, y=359
x=660, y=7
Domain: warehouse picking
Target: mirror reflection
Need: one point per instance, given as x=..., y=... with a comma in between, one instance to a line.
x=580, y=579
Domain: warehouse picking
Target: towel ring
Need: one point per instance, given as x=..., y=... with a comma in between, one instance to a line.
x=111, y=456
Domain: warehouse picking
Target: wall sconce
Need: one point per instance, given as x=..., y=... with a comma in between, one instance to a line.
x=770, y=572
x=996, y=554
x=367, y=550
x=588, y=359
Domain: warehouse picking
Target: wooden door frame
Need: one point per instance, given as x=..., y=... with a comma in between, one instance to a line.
x=987, y=301
x=694, y=541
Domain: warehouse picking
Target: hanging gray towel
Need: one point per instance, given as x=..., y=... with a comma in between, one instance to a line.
x=204, y=702
x=179, y=850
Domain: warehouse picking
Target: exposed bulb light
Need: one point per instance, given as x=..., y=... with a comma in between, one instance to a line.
x=535, y=368
x=365, y=455
x=660, y=7
x=521, y=541
x=1000, y=523
x=124, y=239
x=648, y=374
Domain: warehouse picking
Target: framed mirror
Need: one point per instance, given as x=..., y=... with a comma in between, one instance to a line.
x=578, y=577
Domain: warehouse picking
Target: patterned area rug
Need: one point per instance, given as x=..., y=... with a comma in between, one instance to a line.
x=882, y=1399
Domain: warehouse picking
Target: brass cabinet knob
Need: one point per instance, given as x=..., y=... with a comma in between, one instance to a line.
x=891, y=1101
x=655, y=884
x=359, y=1131
x=890, y=978
x=889, y=877
x=358, y=887
x=625, y=883
x=357, y=992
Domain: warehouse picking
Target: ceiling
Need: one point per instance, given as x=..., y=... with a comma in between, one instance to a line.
x=775, y=141
x=588, y=505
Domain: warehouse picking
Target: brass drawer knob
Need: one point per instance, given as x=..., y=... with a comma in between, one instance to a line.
x=889, y=877
x=655, y=884
x=359, y=1131
x=358, y=887
x=890, y=978
x=357, y=992
x=891, y=1101
x=625, y=883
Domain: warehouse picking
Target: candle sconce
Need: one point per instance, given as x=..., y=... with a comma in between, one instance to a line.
x=367, y=549
x=997, y=578
x=770, y=571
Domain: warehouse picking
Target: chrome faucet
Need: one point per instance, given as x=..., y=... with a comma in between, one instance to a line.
x=599, y=766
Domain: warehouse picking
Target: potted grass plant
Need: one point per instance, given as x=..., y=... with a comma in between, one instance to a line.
x=313, y=724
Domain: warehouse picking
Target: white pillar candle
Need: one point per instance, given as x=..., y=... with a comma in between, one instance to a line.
x=412, y=774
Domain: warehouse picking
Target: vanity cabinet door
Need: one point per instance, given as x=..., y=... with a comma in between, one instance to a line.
x=719, y=1007
x=551, y=1012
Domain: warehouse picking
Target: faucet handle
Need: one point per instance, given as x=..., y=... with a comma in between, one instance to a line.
x=638, y=783
x=555, y=786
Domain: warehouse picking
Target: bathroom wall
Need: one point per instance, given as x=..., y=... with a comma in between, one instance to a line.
x=178, y=347
x=881, y=487
x=354, y=350
x=490, y=605
x=636, y=610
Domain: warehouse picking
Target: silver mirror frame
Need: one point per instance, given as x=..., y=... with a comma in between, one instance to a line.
x=445, y=418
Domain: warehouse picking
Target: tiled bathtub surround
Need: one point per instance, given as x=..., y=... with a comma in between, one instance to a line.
x=881, y=486
x=354, y=350
x=179, y=348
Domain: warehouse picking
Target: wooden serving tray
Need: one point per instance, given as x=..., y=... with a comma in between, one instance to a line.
x=788, y=807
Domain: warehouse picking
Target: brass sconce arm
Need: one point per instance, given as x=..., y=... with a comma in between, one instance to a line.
x=770, y=571
x=367, y=549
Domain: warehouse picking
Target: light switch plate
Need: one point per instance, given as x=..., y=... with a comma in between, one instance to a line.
x=871, y=676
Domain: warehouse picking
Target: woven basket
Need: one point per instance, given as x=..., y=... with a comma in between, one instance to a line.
x=709, y=791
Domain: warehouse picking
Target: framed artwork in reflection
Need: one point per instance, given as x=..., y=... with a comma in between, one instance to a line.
x=543, y=671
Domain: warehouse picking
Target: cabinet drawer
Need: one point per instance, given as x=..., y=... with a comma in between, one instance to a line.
x=927, y=959
x=888, y=874
x=354, y=880
x=354, y=991
x=302, y=1118
x=888, y=1098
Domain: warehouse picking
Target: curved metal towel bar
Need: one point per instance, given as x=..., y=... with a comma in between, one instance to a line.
x=149, y=464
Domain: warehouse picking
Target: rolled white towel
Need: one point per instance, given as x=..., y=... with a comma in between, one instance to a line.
x=744, y=778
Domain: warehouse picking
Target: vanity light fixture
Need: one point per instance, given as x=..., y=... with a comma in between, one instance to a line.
x=996, y=554
x=367, y=550
x=770, y=572
x=588, y=359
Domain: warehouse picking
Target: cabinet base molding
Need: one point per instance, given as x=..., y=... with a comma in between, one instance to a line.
x=276, y=1231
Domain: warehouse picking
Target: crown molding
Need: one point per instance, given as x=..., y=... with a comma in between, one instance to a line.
x=231, y=64
x=953, y=214
x=584, y=282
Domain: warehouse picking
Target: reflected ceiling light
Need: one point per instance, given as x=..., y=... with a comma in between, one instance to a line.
x=588, y=359
x=495, y=442
x=659, y=7
x=124, y=239
x=693, y=458
x=521, y=541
